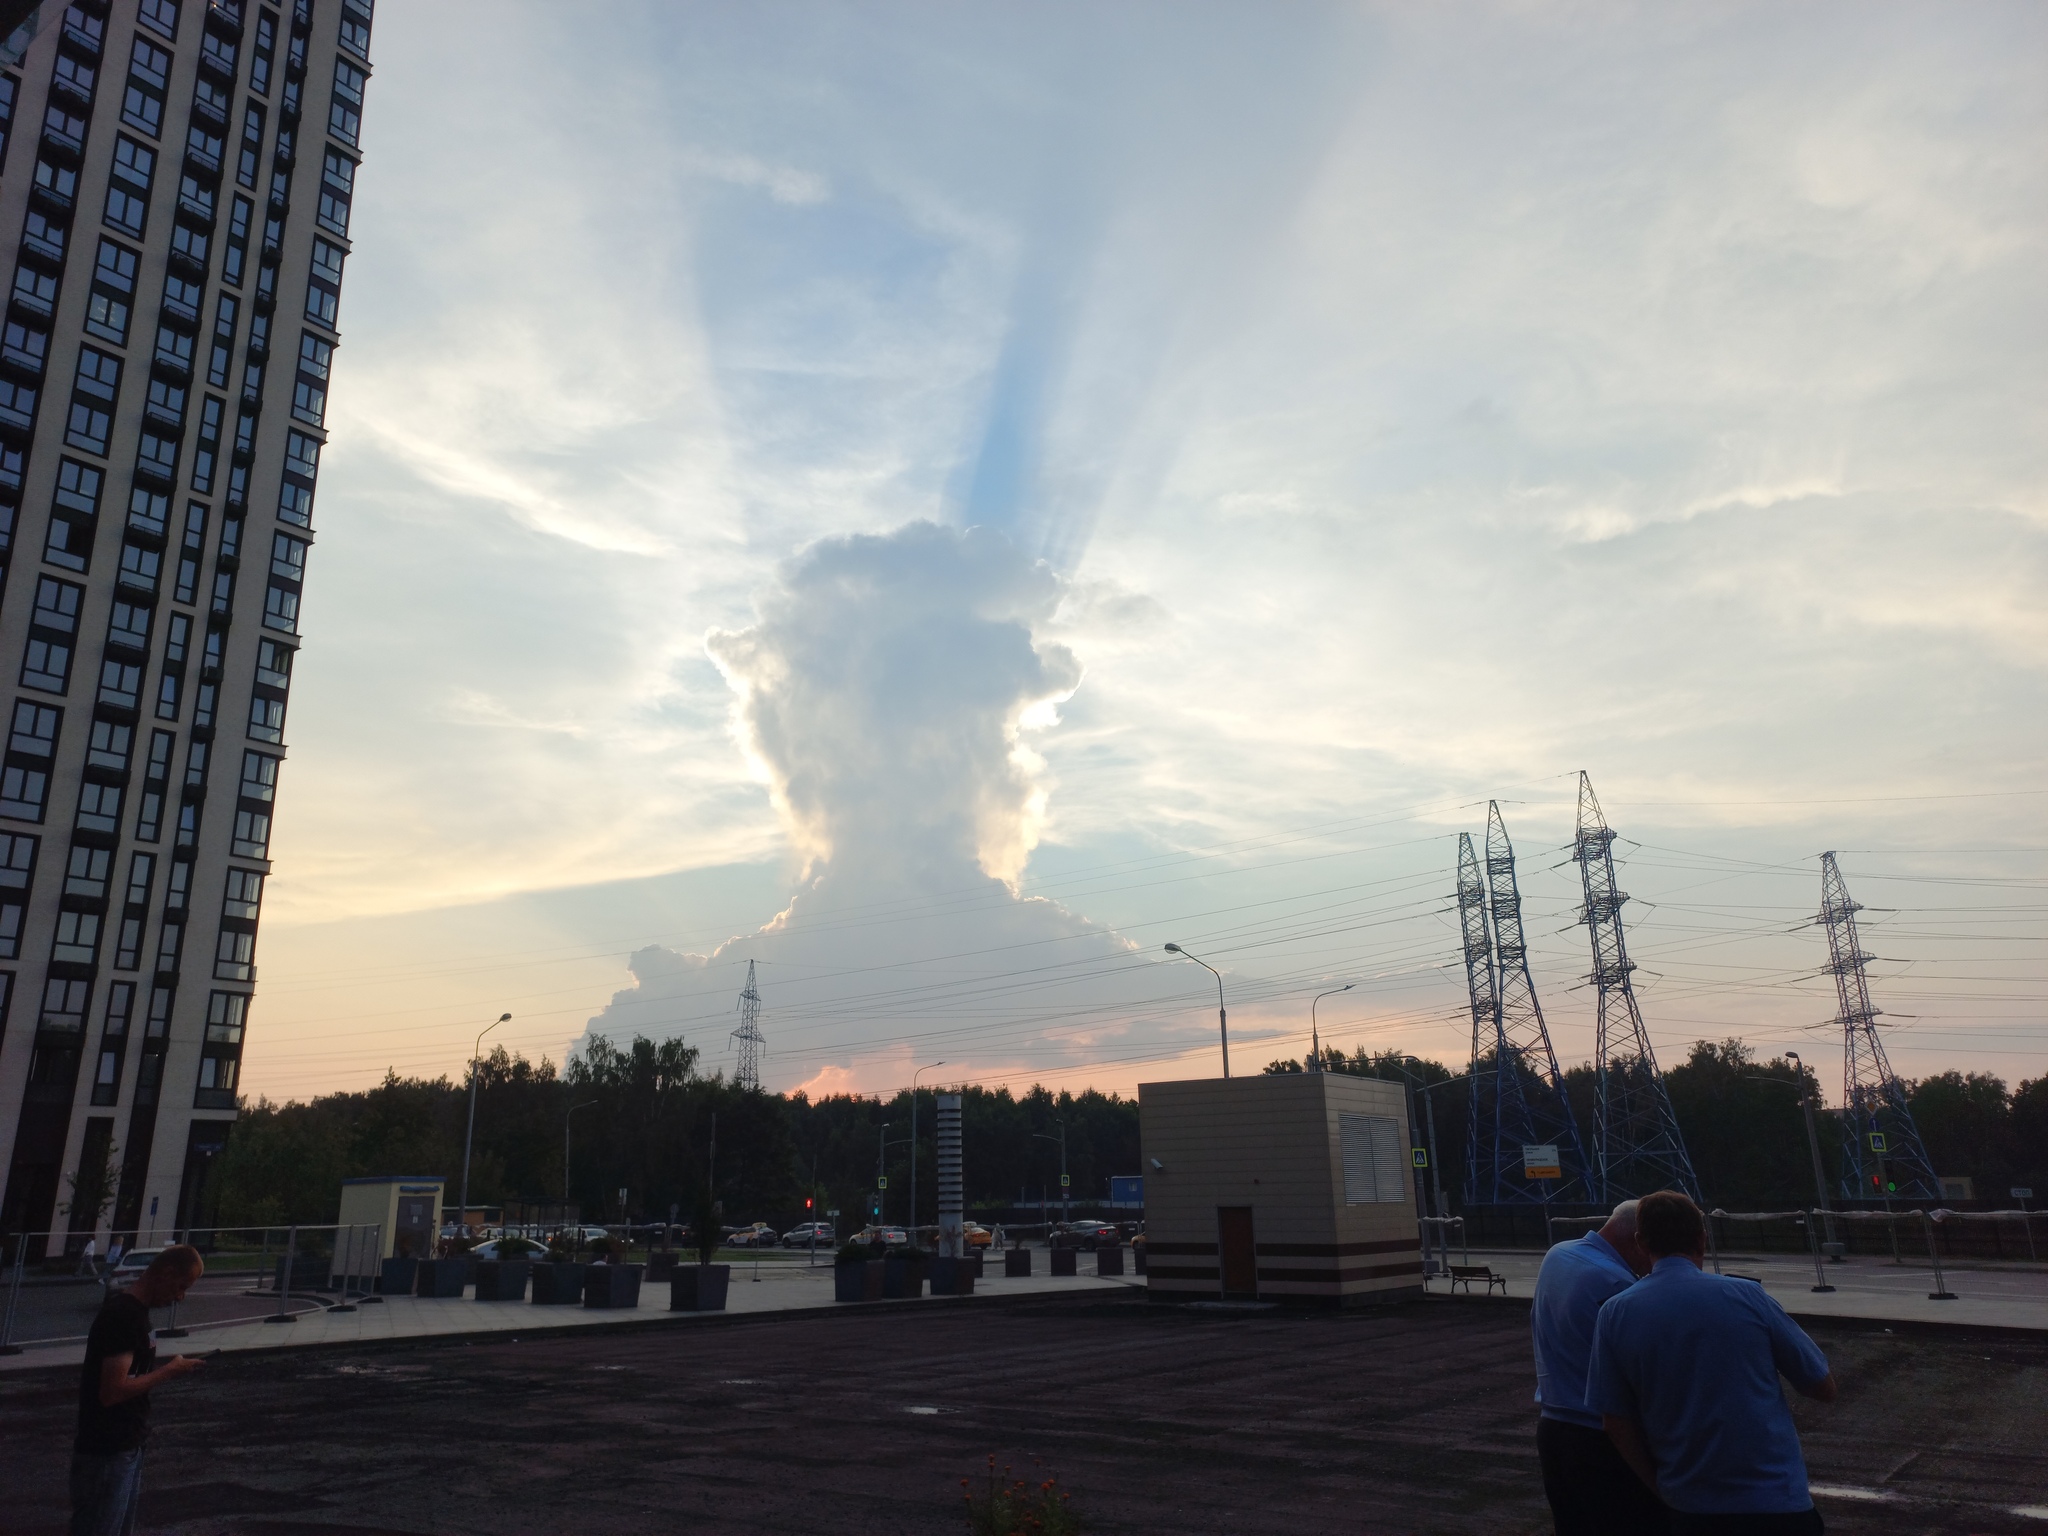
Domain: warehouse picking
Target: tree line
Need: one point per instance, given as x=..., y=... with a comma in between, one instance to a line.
x=641, y=1118
x=1745, y=1130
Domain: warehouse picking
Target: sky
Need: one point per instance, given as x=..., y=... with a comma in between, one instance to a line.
x=940, y=502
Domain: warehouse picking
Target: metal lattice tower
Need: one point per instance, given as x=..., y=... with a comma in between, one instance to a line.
x=1638, y=1148
x=749, y=1034
x=1873, y=1100
x=1479, y=985
x=1526, y=1089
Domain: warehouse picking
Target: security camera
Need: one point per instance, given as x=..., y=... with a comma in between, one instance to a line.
x=1158, y=1166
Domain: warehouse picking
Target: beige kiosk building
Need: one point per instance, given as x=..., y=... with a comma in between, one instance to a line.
x=403, y=1209
x=1295, y=1187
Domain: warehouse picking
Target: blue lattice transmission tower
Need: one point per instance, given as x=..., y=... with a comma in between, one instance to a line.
x=1517, y=1094
x=749, y=1034
x=1882, y=1154
x=1637, y=1146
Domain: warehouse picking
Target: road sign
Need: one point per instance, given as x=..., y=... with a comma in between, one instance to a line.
x=2022, y=1194
x=881, y=1183
x=1877, y=1141
x=1065, y=1182
x=1419, y=1156
x=1540, y=1162
x=1127, y=1189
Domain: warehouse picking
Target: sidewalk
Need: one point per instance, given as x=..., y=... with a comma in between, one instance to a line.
x=778, y=1287
x=1865, y=1287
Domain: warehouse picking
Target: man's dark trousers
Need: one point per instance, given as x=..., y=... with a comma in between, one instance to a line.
x=1591, y=1490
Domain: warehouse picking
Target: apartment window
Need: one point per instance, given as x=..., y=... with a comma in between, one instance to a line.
x=190, y=552
x=234, y=956
x=18, y=405
x=86, y=875
x=113, y=293
x=148, y=510
x=223, y=342
x=174, y=350
x=177, y=638
x=94, y=393
x=64, y=1005
x=309, y=396
x=220, y=1064
x=74, y=514
x=34, y=730
x=44, y=236
x=142, y=104
x=141, y=874
x=208, y=447
x=99, y=808
x=128, y=189
x=203, y=146
x=77, y=939
x=195, y=765
x=302, y=456
x=244, y=894
x=53, y=625
x=35, y=291
x=181, y=299
x=240, y=212
x=162, y=15
x=337, y=190
x=180, y=884
x=189, y=245
x=266, y=720
x=345, y=116
x=119, y=681
x=249, y=158
x=188, y=829
x=23, y=791
x=156, y=457
x=72, y=77
x=323, y=292
x=140, y=567
x=57, y=183
x=210, y=101
x=263, y=53
x=156, y=778
x=355, y=27
x=111, y=744
x=273, y=664
x=25, y=346
x=252, y=834
x=218, y=54
x=17, y=870
x=129, y=625
x=106, y=1088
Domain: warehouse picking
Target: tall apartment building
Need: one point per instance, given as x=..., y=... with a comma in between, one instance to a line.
x=180, y=174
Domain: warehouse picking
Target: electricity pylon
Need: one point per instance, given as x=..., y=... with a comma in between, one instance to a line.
x=1479, y=985
x=1637, y=1148
x=1882, y=1154
x=1530, y=1107
x=749, y=1034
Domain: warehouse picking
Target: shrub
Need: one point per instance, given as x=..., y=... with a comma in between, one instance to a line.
x=1013, y=1506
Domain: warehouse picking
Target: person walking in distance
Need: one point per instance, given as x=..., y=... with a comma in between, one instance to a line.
x=1685, y=1378
x=1592, y=1490
x=114, y=1384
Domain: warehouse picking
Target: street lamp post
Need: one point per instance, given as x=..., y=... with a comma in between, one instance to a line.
x=881, y=1176
x=1222, y=1019
x=1820, y=1180
x=1315, y=1041
x=913, y=1147
x=469, y=1135
x=1066, y=1212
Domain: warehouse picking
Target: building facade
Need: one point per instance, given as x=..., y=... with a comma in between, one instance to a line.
x=180, y=173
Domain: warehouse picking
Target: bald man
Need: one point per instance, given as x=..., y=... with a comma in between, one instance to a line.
x=113, y=1395
x=1591, y=1488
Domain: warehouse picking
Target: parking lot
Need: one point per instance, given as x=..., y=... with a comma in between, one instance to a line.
x=1160, y=1419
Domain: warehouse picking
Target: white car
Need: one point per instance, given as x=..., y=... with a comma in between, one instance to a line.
x=819, y=1233
x=759, y=1235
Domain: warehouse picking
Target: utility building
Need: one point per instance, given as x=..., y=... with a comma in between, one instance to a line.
x=1296, y=1187
x=176, y=179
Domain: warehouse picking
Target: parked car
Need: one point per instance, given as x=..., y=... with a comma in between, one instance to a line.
x=977, y=1235
x=758, y=1235
x=590, y=1234
x=810, y=1232
x=492, y=1251
x=132, y=1264
x=1089, y=1234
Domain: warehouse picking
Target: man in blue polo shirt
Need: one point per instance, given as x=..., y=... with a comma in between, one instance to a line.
x=1592, y=1491
x=1685, y=1378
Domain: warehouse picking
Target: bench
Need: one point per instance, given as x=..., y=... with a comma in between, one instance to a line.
x=1467, y=1273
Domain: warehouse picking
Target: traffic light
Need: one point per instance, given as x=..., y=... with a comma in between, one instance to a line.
x=807, y=1202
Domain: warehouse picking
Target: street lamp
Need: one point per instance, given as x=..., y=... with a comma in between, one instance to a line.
x=1222, y=1019
x=1315, y=1043
x=1065, y=1210
x=913, y=1148
x=882, y=1175
x=469, y=1135
x=1820, y=1181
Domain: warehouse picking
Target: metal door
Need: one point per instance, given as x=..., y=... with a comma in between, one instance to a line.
x=1239, y=1268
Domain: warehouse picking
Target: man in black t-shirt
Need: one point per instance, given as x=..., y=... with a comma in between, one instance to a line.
x=113, y=1395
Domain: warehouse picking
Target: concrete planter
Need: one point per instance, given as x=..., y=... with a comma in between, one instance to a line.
x=902, y=1278
x=1066, y=1261
x=1109, y=1261
x=952, y=1277
x=611, y=1285
x=1138, y=1258
x=397, y=1277
x=850, y=1280
x=662, y=1264
x=698, y=1287
x=557, y=1285
x=443, y=1277
x=1017, y=1263
x=501, y=1279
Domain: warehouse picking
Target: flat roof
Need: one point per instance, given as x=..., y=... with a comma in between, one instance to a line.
x=400, y=1178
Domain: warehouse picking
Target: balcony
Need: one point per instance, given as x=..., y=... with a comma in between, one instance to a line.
x=218, y=61
x=43, y=248
x=180, y=314
x=83, y=34
x=170, y=362
x=23, y=361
